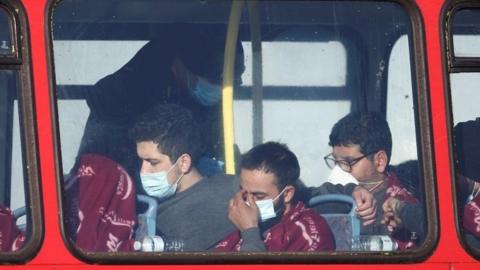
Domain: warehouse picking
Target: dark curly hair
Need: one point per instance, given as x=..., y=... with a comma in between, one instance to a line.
x=369, y=131
x=173, y=128
x=276, y=158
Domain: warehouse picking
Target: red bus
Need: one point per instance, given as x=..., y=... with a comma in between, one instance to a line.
x=288, y=71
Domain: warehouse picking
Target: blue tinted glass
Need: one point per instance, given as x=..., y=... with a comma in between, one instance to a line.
x=6, y=46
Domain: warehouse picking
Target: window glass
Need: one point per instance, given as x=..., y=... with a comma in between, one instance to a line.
x=292, y=85
x=15, y=227
x=110, y=69
x=12, y=193
x=466, y=30
x=318, y=64
x=465, y=118
x=6, y=46
x=464, y=88
x=318, y=61
x=400, y=102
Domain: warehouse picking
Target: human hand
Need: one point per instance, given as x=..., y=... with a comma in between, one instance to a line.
x=366, y=205
x=391, y=208
x=243, y=216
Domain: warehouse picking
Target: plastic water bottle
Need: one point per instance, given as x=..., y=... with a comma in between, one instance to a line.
x=158, y=244
x=374, y=243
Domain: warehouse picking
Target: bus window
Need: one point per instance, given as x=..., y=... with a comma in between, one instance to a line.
x=466, y=42
x=318, y=63
x=464, y=79
x=19, y=224
x=299, y=67
x=6, y=35
x=111, y=68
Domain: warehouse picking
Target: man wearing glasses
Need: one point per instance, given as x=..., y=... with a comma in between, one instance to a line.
x=361, y=149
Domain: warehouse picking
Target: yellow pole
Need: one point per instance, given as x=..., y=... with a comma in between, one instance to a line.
x=228, y=77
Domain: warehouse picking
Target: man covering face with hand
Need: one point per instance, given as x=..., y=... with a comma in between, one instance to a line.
x=265, y=211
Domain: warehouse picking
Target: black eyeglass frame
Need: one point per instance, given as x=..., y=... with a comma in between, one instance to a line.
x=343, y=164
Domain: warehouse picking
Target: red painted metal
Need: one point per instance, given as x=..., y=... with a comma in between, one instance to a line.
x=53, y=254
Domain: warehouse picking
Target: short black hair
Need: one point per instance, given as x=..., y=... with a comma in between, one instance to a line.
x=173, y=128
x=467, y=148
x=370, y=131
x=276, y=158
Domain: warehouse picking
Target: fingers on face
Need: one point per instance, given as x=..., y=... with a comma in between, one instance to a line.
x=251, y=200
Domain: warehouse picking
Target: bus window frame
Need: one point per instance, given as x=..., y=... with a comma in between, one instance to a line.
x=452, y=65
x=457, y=64
x=426, y=158
x=28, y=133
x=15, y=57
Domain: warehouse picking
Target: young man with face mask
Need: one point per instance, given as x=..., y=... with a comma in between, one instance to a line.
x=265, y=210
x=192, y=208
x=361, y=149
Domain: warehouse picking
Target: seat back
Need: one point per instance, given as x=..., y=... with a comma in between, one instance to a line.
x=17, y=213
x=147, y=219
x=344, y=226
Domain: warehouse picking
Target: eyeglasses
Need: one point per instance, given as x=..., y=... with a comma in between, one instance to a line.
x=345, y=165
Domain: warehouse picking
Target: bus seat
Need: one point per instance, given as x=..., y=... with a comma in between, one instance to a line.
x=17, y=213
x=344, y=226
x=147, y=219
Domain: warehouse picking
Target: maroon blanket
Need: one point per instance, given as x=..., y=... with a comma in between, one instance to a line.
x=396, y=190
x=300, y=229
x=103, y=195
x=11, y=238
x=471, y=216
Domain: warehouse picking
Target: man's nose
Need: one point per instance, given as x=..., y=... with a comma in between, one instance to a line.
x=145, y=168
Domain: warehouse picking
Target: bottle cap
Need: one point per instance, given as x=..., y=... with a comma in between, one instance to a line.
x=158, y=243
x=388, y=243
x=147, y=244
x=137, y=246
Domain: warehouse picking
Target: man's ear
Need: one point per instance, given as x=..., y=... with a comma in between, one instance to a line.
x=185, y=163
x=380, y=160
x=288, y=194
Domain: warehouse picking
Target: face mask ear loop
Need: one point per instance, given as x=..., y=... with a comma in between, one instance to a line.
x=475, y=190
x=179, y=180
x=279, y=194
x=377, y=184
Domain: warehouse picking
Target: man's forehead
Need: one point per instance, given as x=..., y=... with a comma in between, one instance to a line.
x=341, y=151
x=257, y=180
x=150, y=149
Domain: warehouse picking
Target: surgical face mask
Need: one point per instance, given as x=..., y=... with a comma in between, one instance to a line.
x=266, y=208
x=339, y=176
x=156, y=184
x=206, y=93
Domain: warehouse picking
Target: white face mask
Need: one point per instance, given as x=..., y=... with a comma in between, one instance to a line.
x=156, y=184
x=339, y=176
x=266, y=208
